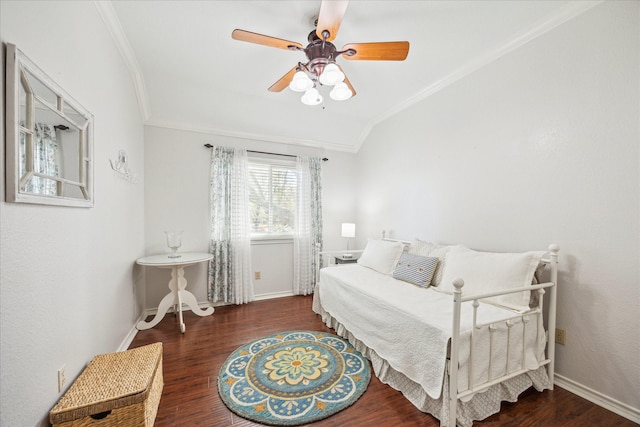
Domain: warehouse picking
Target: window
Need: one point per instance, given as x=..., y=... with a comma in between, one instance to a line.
x=272, y=197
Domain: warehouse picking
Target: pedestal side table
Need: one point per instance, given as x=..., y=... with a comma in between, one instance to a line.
x=177, y=285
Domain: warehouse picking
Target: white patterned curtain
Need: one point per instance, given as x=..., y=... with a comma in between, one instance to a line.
x=46, y=158
x=230, y=269
x=307, y=239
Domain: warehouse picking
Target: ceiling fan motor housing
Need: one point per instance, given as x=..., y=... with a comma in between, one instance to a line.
x=320, y=53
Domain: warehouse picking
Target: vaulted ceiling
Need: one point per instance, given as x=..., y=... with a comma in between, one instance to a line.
x=190, y=74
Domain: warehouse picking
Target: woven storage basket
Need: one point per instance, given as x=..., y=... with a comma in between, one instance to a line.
x=115, y=389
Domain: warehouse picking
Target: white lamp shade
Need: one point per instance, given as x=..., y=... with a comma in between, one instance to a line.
x=300, y=82
x=341, y=92
x=348, y=230
x=311, y=97
x=331, y=75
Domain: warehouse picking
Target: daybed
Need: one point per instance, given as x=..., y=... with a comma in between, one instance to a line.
x=411, y=308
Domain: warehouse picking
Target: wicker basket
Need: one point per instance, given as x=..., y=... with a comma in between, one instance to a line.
x=115, y=389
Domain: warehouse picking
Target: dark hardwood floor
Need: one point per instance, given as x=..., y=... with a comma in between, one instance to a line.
x=192, y=360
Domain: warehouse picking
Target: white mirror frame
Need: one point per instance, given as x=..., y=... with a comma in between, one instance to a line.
x=76, y=191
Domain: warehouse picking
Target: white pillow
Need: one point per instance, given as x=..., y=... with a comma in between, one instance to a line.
x=428, y=249
x=381, y=255
x=489, y=272
x=421, y=247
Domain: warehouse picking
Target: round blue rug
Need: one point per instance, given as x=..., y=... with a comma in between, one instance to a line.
x=293, y=378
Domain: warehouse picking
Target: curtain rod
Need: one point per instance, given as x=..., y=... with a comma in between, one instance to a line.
x=324, y=159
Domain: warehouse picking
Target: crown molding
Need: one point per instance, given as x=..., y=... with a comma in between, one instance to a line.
x=566, y=13
x=279, y=139
x=111, y=21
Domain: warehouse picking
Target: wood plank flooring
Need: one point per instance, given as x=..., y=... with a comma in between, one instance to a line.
x=192, y=360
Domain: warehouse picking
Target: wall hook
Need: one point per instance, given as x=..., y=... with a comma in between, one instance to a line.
x=121, y=167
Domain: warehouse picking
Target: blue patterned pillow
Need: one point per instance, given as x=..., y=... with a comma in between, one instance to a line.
x=415, y=269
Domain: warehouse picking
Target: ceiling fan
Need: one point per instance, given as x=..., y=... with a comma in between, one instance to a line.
x=321, y=68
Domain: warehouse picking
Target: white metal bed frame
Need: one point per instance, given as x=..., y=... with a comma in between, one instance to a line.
x=459, y=298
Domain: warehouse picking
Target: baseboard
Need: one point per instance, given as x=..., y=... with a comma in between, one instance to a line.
x=124, y=345
x=274, y=295
x=598, y=398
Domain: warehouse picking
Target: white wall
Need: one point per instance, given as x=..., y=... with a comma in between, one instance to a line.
x=177, y=197
x=68, y=287
x=273, y=259
x=540, y=146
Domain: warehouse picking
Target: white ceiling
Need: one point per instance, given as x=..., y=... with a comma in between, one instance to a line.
x=190, y=74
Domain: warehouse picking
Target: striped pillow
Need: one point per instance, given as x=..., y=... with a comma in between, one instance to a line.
x=415, y=269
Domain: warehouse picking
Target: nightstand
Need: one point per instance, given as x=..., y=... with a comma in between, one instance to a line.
x=342, y=260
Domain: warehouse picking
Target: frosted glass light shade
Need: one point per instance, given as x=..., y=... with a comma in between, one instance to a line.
x=331, y=75
x=300, y=82
x=348, y=230
x=341, y=92
x=311, y=97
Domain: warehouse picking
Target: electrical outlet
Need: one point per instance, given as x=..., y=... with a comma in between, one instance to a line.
x=257, y=275
x=62, y=378
x=561, y=336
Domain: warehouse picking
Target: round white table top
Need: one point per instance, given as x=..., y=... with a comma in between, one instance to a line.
x=185, y=258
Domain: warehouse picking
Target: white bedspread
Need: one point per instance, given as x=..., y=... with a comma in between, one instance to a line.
x=410, y=327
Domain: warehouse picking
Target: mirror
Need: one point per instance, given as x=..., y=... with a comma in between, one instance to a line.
x=49, y=146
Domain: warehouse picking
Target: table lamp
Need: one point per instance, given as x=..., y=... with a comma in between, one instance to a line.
x=348, y=231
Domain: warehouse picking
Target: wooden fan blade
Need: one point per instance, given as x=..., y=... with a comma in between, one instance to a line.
x=330, y=17
x=284, y=81
x=383, y=51
x=348, y=83
x=248, y=36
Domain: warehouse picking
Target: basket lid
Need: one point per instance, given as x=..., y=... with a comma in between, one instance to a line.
x=110, y=381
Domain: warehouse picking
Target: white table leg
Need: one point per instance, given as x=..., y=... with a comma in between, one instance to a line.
x=175, y=298
x=187, y=298
x=180, y=319
x=166, y=302
x=190, y=299
x=171, y=299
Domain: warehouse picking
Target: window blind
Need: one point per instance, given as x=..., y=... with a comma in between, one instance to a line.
x=272, y=197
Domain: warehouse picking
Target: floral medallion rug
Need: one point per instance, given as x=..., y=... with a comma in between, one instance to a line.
x=293, y=378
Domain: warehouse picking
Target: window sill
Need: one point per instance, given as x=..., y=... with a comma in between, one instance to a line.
x=263, y=239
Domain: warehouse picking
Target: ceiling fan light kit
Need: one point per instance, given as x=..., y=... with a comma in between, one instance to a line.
x=312, y=97
x=341, y=92
x=331, y=75
x=322, y=70
x=300, y=82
